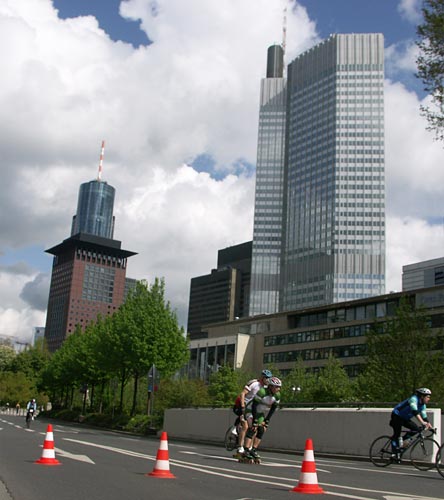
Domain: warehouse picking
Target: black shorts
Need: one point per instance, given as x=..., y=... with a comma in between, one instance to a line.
x=237, y=410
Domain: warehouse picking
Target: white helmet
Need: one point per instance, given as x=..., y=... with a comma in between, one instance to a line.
x=275, y=382
x=424, y=391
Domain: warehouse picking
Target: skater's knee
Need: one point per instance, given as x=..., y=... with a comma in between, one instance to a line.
x=260, y=432
x=250, y=433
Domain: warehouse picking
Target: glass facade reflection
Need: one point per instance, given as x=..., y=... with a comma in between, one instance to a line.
x=334, y=230
x=268, y=209
x=95, y=210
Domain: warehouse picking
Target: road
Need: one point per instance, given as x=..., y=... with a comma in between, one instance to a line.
x=99, y=464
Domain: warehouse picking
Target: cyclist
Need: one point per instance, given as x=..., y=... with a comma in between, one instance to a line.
x=30, y=405
x=248, y=393
x=403, y=412
x=259, y=411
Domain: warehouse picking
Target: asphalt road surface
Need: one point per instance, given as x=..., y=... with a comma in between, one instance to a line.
x=98, y=464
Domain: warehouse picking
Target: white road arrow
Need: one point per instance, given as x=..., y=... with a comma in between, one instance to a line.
x=66, y=454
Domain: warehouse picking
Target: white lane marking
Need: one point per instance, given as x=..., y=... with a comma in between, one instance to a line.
x=205, y=469
x=266, y=464
x=80, y=458
x=60, y=430
x=411, y=498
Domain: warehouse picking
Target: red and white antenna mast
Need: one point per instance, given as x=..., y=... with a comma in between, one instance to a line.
x=102, y=153
x=284, y=35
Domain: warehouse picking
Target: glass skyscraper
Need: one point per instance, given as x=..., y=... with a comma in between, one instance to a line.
x=95, y=210
x=333, y=208
x=269, y=196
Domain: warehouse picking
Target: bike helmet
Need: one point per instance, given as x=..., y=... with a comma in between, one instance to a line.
x=266, y=373
x=275, y=382
x=424, y=391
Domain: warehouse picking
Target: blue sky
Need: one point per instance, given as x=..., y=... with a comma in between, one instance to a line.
x=179, y=117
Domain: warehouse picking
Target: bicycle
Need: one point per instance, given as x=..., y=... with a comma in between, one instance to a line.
x=231, y=439
x=29, y=417
x=421, y=448
x=440, y=460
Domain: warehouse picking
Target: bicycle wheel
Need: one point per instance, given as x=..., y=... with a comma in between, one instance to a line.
x=423, y=452
x=440, y=460
x=381, y=451
x=230, y=440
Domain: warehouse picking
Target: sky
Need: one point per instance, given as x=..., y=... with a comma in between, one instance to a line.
x=172, y=86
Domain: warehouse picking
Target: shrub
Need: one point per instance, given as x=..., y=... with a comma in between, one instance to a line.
x=140, y=424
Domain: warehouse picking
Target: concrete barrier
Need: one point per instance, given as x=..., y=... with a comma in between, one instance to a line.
x=343, y=431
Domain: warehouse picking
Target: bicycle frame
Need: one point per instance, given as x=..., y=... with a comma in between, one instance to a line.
x=422, y=450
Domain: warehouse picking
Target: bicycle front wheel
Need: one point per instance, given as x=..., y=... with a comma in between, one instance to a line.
x=230, y=439
x=423, y=452
x=381, y=451
x=440, y=460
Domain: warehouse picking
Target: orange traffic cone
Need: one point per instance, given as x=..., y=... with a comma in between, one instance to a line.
x=48, y=455
x=308, y=481
x=162, y=465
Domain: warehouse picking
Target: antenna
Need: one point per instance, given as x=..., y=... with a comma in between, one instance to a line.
x=102, y=153
x=284, y=36
x=284, y=30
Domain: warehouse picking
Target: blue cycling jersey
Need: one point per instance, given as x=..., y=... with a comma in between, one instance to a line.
x=410, y=408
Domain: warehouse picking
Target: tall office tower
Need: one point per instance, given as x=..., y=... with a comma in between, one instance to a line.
x=334, y=230
x=95, y=207
x=268, y=210
x=95, y=210
x=223, y=294
x=89, y=268
x=88, y=278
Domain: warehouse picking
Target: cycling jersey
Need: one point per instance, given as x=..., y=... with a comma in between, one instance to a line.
x=411, y=407
x=263, y=405
x=252, y=387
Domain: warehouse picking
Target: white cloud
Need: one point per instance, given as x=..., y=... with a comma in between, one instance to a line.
x=410, y=240
x=65, y=86
x=410, y=10
x=401, y=57
x=17, y=318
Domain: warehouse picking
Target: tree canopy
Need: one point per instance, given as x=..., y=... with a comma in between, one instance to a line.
x=430, y=63
x=402, y=354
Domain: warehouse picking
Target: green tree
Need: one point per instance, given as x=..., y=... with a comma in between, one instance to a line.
x=430, y=63
x=32, y=360
x=16, y=387
x=181, y=393
x=332, y=383
x=145, y=332
x=7, y=356
x=299, y=385
x=224, y=386
x=402, y=354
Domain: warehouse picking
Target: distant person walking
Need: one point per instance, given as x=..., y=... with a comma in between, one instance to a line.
x=17, y=408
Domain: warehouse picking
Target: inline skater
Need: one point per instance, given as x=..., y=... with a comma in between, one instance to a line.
x=403, y=412
x=247, y=395
x=259, y=412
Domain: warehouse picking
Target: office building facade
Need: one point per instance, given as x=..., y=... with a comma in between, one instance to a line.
x=423, y=274
x=88, y=278
x=312, y=335
x=223, y=294
x=95, y=210
x=269, y=194
x=332, y=233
